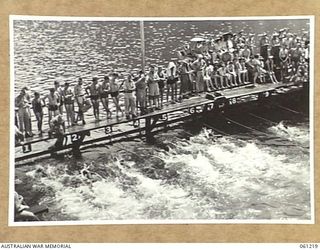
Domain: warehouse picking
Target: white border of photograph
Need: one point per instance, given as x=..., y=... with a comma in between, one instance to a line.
x=190, y=221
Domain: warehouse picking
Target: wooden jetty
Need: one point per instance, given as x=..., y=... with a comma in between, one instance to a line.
x=111, y=130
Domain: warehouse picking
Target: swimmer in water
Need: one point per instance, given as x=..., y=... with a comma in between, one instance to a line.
x=89, y=175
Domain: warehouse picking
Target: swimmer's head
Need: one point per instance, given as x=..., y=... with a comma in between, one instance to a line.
x=36, y=94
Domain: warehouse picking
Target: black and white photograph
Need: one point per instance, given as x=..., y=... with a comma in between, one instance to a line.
x=161, y=120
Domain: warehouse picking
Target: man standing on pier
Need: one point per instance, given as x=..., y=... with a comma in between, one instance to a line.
x=172, y=82
x=59, y=92
x=199, y=66
x=129, y=98
x=22, y=102
x=79, y=96
x=140, y=82
x=152, y=81
x=93, y=92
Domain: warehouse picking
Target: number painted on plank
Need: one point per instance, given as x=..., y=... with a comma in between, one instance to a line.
x=26, y=148
x=164, y=117
x=108, y=129
x=136, y=123
x=75, y=137
x=192, y=110
x=232, y=101
x=210, y=106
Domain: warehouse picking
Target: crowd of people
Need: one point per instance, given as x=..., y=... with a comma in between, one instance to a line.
x=203, y=65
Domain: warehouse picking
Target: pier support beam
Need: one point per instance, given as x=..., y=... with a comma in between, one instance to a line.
x=148, y=130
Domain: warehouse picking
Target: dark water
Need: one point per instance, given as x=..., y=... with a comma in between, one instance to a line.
x=188, y=173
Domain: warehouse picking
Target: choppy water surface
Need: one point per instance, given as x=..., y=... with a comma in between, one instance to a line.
x=188, y=173
x=245, y=176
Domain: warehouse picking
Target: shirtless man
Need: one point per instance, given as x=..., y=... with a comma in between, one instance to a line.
x=93, y=92
x=104, y=95
x=256, y=64
x=53, y=103
x=69, y=104
x=79, y=97
x=59, y=91
x=114, y=92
